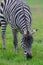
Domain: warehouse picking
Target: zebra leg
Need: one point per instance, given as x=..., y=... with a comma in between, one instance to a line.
x=3, y=26
x=0, y=23
x=15, y=39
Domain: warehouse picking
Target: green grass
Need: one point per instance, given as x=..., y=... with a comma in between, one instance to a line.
x=9, y=57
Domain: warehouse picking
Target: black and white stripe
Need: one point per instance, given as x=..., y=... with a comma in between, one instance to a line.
x=17, y=14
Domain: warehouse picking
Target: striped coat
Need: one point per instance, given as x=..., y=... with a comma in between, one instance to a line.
x=17, y=14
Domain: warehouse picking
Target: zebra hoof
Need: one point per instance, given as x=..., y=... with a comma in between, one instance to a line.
x=28, y=56
x=16, y=49
x=4, y=48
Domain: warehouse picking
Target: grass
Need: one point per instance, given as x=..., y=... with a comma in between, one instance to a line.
x=9, y=57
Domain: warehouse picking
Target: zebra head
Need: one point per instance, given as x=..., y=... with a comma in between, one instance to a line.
x=28, y=38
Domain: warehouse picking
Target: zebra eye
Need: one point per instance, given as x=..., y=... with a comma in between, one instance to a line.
x=25, y=38
x=1, y=4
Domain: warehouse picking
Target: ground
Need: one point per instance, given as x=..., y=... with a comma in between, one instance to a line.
x=9, y=57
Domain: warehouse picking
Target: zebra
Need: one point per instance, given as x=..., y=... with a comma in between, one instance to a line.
x=17, y=14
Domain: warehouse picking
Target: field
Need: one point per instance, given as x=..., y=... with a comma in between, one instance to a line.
x=9, y=57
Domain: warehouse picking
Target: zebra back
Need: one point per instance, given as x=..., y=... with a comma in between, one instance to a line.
x=17, y=14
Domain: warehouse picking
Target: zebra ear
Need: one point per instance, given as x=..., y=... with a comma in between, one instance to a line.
x=30, y=32
x=33, y=31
